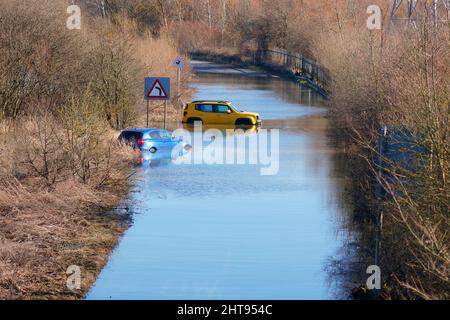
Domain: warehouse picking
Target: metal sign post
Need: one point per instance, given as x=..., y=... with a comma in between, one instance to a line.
x=178, y=81
x=165, y=114
x=147, y=112
x=179, y=64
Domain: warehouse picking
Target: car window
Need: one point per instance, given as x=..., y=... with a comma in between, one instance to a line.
x=204, y=107
x=165, y=134
x=159, y=134
x=155, y=135
x=221, y=108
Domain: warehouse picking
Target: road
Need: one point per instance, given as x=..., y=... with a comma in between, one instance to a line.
x=227, y=232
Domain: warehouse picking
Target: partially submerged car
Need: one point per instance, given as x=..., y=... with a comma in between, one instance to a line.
x=153, y=140
x=218, y=112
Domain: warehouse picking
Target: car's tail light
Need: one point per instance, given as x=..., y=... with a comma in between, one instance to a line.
x=185, y=113
x=140, y=142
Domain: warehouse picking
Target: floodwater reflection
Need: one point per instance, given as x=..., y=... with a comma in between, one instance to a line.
x=223, y=128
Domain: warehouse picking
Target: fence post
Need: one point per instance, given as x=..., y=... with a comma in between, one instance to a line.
x=301, y=65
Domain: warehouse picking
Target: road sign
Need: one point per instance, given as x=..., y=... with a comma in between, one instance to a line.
x=157, y=89
x=179, y=63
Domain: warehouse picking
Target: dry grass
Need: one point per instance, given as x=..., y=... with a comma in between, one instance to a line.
x=44, y=232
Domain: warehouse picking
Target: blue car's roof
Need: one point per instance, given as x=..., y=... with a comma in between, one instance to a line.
x=144, y=130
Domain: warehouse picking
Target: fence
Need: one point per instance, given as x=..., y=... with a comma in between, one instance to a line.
x=300, y=66
x=306, y=71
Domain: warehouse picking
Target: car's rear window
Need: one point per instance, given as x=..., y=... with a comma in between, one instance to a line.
x=131, y=135
x=204, y=107
x=159, y=134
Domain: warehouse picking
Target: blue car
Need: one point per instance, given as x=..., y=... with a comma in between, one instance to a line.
x=151, y=140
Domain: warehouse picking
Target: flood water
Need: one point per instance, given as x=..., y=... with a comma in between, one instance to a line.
x=228, y=232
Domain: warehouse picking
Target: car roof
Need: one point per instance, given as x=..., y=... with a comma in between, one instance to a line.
x=209, y=101
x=143, y=130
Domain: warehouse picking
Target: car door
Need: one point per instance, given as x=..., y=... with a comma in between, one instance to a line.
x=206, y=113
x=160, y=140
x=223, y=114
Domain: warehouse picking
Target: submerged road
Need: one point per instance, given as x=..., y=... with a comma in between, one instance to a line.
x=228, y=232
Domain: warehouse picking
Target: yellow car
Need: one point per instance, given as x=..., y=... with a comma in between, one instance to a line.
x=218, y=112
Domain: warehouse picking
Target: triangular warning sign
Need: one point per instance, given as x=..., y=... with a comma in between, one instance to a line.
x=157, y=91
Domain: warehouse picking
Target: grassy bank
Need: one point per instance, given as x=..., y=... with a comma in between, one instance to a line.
x=44, y=232
x=64, y=97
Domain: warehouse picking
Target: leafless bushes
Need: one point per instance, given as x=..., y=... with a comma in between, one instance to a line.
x=420, y=197
x=56, y=106
x=39, y=65
x=400, y=79
x=62, y=93
x=44, y=64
